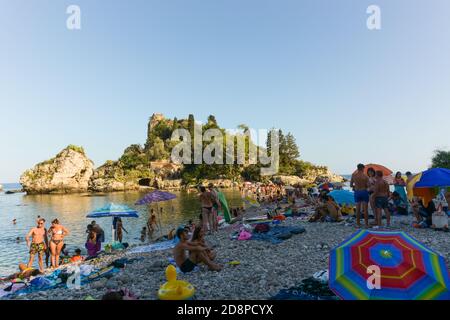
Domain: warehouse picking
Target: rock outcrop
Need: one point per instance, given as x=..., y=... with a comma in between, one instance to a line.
x=111, y=177
x=315, y=175
x=68, y=172
x=290, y=180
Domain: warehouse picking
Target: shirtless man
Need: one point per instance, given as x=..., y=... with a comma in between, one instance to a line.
x=197, y=254
x=381, y=195
x=38, y=244
x=360, y=185
x=206, y=200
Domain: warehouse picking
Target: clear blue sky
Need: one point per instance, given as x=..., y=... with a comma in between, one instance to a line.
x=348, y=94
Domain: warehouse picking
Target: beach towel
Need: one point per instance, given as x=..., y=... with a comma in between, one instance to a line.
x=12, y=288
x=277, y=234
x=160, y=246
x=309, y=289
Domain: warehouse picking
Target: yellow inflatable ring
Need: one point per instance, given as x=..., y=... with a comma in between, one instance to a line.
x=174, y=289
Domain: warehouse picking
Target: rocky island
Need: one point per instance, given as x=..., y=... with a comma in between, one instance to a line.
x=149, y=166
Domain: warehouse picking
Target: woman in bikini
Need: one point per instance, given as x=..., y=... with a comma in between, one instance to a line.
x=57, y=233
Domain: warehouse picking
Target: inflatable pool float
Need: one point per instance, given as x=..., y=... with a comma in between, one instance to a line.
x=173, y=289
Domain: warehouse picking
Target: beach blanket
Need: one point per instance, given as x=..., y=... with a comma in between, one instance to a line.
x=160, y=246
x=309, y=289
x=277, y=234
x=12, y=288
x=58, y=279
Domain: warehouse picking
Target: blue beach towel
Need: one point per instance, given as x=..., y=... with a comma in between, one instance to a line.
x=277, y=234
x=160, y=246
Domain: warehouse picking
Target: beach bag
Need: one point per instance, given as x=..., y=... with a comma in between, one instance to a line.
x=262, y=228
x=439, y=219
x=40, y=283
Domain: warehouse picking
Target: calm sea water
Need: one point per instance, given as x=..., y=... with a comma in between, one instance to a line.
x=71, y=210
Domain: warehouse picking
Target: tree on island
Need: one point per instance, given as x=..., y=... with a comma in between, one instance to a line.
x=441, y=159
x=157, y=151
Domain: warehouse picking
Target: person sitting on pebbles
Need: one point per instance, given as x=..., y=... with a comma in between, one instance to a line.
x=198, y=239
x=327, y=210
x=197, y=254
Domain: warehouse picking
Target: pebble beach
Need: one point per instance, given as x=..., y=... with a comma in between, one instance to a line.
x=264, y=268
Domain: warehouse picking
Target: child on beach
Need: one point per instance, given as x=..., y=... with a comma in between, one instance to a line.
x=77, y=257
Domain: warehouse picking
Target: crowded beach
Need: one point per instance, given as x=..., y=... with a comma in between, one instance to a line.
x=280, y=236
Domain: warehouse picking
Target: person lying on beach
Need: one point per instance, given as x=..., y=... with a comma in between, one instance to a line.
x=169, y=236
x=197, y=254
x=198, y=239
x=24, y=273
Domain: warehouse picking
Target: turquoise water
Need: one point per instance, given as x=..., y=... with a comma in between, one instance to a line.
x=71, y=210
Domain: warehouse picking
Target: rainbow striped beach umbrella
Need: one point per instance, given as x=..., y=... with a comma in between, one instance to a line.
x=408, y=270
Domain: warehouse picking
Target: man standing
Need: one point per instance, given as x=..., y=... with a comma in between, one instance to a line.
x=381, y=195
x=360, y=185
x=38, y=243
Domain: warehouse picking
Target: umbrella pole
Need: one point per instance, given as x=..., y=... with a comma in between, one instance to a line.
x=159, y=220
x=112, y=231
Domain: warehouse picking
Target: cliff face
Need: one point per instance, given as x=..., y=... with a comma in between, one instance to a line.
x=70, y=171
